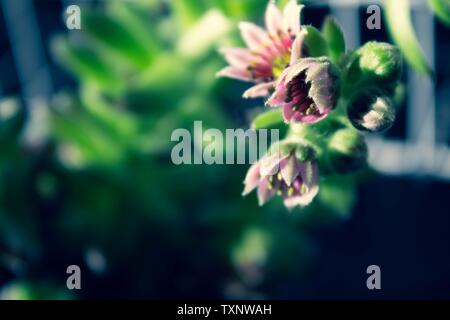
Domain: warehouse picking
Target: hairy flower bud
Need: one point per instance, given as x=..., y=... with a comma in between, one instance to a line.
x=295, y=180
x=268, y=51
x=382, y=60
x=371, y=111
x=347, y=151
x=376, y=62
x=307, y=91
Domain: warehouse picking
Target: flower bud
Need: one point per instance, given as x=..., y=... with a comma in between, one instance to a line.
x=286, y=175
x=347, y=151
x=307, y=91
x=380, y=61
x=371, y=111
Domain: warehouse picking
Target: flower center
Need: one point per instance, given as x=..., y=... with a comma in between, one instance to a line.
x=297, y=188
x=279, y=64
x=298, y=96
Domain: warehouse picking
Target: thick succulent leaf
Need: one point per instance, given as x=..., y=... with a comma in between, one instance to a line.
x=113, y=34
x=85, y=63
x=315, y=42
x=187, y=11
x=268, y=119
x=137, y=22
x=335, y=38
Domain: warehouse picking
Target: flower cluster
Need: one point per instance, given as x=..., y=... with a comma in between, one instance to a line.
x=289, y=174
x=268, y=51
x=324, y=93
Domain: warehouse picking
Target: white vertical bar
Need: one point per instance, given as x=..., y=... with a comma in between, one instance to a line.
x=32, y=70
x=348, y=18
x=421, y=100
x=28, y=53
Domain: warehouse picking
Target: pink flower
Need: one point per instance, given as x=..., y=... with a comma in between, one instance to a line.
x=268, y=52
x=296, y=181
x=307, y=90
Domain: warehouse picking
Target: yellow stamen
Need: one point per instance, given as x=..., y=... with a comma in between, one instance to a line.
x=310, y=109
x=303, y=189
x=290, y=192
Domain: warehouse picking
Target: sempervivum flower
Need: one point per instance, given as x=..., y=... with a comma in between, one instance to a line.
x=307, y=90
x=268, y=52
x=293, y=177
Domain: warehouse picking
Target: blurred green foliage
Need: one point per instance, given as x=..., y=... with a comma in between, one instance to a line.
x=103, y=179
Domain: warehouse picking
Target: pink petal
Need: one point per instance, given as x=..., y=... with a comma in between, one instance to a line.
x=260, y=90
x=274, y=19
x=309, y=172
x=252, y=179
x=254, y=37
x=287, y=112
x=290, y=169
x=235, y=73
x=270, y=165
x=265, y=193
x=291, y=17
x=310, y=177
x=301, y=200
x=298, y=117
x=279, y=96
x=297, y=46
x=238, y=57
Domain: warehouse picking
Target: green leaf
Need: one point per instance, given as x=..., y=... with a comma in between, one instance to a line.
x=187, y=11
x=268, y=119
x=116, y=37
x=84, y=63
x=315, y=42
x=335, y=38
x=338, y=193
x=120, y=122
x=441, y=9
x=398, y=17
x=137, y=22
x=248, y=10
x=83, y=137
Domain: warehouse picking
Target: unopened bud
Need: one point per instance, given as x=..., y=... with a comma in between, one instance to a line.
x=371, y=111
x=347, y=151
x=380, y=62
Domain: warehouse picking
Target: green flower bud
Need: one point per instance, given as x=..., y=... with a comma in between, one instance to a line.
x=371, y=111
x=347, y=151
x=374, y=64
x=380, y=61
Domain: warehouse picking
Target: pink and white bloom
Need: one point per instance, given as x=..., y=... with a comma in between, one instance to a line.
x=268, y=51
x=307, y=90
x=296, y=181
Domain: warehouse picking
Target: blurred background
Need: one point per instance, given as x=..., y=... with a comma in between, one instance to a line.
x=86, y=177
